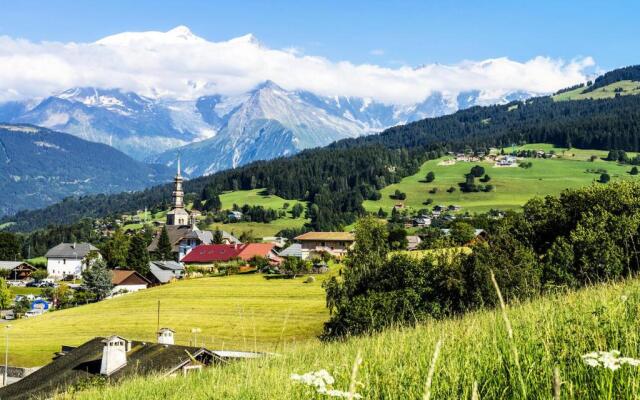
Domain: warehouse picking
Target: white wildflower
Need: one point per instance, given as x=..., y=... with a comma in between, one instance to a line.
x=608, y=359
x=623, y=298
x=322, y=381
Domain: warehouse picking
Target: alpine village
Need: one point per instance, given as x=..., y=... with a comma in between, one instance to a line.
x=182, y=219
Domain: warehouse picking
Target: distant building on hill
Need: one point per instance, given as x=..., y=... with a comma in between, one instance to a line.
x=68, y=259
x=334, y=243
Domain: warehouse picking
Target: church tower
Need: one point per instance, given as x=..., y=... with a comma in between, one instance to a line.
x=178, y=215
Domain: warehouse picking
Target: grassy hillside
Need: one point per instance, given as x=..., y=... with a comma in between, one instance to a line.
x=257, y=197
x=513, y=185
x=548, y=333
x=605, y=92
x=235, y=312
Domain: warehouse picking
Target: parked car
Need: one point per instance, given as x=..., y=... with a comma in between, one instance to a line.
x=33, y=284
x=33, y=313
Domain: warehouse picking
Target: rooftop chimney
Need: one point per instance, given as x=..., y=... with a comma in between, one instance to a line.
x=165, y=336
x=114, y=354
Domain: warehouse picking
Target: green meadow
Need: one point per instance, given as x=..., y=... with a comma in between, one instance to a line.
x=513, y=185
x=478, y=359
x=258, y=197
x=625, y=88
x=245, y=312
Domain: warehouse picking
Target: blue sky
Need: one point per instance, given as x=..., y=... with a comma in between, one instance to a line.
x=387, y=33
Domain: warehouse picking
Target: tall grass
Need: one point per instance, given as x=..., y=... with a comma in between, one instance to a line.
x=477, y=362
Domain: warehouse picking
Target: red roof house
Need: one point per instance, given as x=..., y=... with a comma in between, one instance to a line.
x=218, y=253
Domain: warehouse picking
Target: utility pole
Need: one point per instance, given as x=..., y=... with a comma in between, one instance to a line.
x=6, y=357
x=158, y=323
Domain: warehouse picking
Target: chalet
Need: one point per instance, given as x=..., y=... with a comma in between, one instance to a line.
x=454, y=208
x=17, y=270
x=162, y=272
x=210, y=255
x=69, y=259
x=422, y=220
x=126, y=281
x=116, y=358
x=334, y=243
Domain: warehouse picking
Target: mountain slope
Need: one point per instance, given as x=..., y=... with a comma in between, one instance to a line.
x=136, y=125
x=337, y=179
x=41, y=167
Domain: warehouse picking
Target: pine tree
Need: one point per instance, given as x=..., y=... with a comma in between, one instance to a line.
x=6, y=298
x=138, y=255
x=115, y=250
x=217, y=236
x=164, y=245
x=97, y=278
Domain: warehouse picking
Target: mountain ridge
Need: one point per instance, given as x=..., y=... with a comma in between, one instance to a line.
x=41, y=167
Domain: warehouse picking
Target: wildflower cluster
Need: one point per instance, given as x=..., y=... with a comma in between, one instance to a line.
x=608, y=359
x=322, y=381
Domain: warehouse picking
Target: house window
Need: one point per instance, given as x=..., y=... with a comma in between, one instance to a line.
x=64, y=261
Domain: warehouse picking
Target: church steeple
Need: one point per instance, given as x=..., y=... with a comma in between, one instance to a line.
x=178, y=215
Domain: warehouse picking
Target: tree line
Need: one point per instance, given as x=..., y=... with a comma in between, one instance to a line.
x=581, y=237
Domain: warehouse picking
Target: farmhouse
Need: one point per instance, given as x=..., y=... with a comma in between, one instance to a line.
x=68, y=259
x=116, y=358
x=334, y=243
x=17, y=270
x=222, y=253
x=127, y=281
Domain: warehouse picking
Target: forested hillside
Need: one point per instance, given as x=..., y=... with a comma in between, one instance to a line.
x=41, y=167
x=337, y=178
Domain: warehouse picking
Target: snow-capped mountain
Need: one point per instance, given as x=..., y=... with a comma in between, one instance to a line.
x=217, y=132
x=271, y=122
x=137, y=125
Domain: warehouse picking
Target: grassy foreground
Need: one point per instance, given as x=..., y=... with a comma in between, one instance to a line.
x=513, y=185
x=547, y=333
x=242, y=312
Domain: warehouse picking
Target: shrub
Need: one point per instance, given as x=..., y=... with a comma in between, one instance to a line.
x=430, y=176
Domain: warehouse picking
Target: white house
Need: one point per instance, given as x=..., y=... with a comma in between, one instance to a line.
x=126, y=281
x=68, y=259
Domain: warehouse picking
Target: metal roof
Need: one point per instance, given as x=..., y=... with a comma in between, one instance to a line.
x=70, y=250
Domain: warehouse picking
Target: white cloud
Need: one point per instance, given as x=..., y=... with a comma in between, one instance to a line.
x=179, y=64
x=377, y=52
